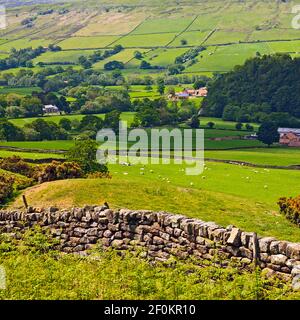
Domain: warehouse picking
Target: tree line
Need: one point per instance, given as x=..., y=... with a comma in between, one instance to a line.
x=264, y=89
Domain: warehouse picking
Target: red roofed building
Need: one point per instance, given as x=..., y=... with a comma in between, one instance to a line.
x=289, y=137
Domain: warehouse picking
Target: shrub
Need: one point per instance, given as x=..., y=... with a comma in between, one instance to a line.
x=290, y=208
x=17, y=165
x=99, y=175
x=239, y=126
x=57, y=171
x=6, y=188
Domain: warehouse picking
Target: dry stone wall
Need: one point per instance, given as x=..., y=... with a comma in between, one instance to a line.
x=160, y=234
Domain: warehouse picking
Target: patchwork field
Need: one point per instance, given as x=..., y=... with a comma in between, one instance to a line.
x=62, y=56
x=159, y=57
x=146, y=40
x=163, y=25
x=23, y=43
x=224, y=58
x=192, y=38
x=124, y=56
x=87, y=42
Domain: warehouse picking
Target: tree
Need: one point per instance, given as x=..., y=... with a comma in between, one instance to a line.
x=147, y=117
x=267, y=80
x=91, y=122
x=32, y=106
x=112, y=120
x=268, y=133
x=85, y=154
x=83, y=61
x=66, y=124
x=210, y=124
x=113, y=65
x=138, y=55
x=199, y=84
x=230, y=113
x=9, y=132
x=145, y=65
x=195, y=122
x=239, y=126
x=249, y=127
x=161, y=86
x=171, y=91
x=183, y=42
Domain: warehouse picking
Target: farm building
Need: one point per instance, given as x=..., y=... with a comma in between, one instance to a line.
x=50, y=109
x=289, y=137
x=190, y=93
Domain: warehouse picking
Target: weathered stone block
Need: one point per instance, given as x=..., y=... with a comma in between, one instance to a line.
x=293, y=250
x=264, y=244
x=235, y=237
x=278, y=259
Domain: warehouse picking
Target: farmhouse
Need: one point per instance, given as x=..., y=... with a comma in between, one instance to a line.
x=50, y=109
x=190, y=93
x=289, y=137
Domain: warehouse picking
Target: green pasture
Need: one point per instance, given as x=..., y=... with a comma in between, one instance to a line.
x=275, y=34
x=87, y=42
x=30, y=155
x=62, y=56
x=221, y=37
x=23, y=43
x=284, y=46
x=263, y=156
x=193, y=38
x=123, y=56
x=224, y=58
x=159, y=57
x=163, y=25
x=221, y=124
x=19, y=90
x=125, y=116
x=147, y=40
x=227, y=194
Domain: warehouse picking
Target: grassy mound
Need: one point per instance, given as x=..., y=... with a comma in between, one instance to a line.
x=121, y=192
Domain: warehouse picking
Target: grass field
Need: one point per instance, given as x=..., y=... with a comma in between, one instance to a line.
x=219, y=37
x=125, y=116
x=112, y=23
x=163, y=25
x=263, y=156
x=62, y=56
x=224, y=193
x=159, y=57
x=21, y=90
x=23, y=43
x=275, y=34
x=87, y=42
x=224, y=58
x=123, y=56
x=193, y=38
x=30, y=155
x=147, y=40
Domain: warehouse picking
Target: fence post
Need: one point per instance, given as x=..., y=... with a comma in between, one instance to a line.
x=255, y=248
x=25, y=201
